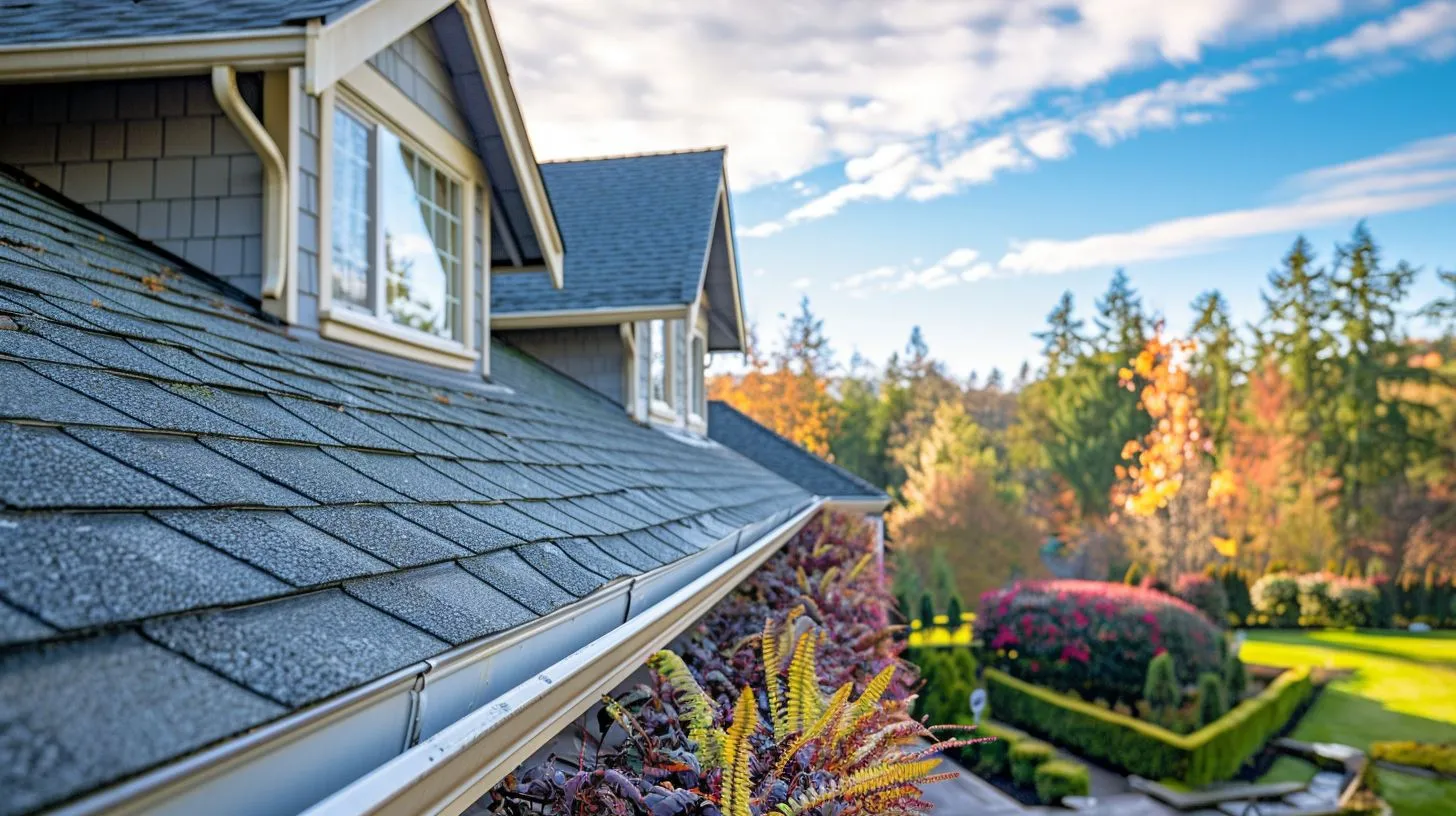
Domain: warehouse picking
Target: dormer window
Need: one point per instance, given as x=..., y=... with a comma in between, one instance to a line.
x=397, y=231
x=658, y=386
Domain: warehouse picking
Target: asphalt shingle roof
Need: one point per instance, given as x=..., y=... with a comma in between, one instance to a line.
x=733, y=429
x=637, y=230
x=44, y=21
x=207, y=522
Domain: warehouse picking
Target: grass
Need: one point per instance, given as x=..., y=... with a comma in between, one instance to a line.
x=1393, y=686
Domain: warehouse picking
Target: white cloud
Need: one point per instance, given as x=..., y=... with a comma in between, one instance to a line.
x=1412, y=177
x=801, y=283
x=794, y=86
x=958, y=258
x=1427, y=30
x=762, y=230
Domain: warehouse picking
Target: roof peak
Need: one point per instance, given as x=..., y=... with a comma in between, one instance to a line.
x=646, y=154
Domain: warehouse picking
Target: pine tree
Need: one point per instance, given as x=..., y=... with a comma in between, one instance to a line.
x=1235, y=677
x=1212, y=698
x=1062, y=342
x=1160, y=690
x=1296, y=336
x=1213, y=364
x=927, y=611
x=1122, y=326
x=953, y=611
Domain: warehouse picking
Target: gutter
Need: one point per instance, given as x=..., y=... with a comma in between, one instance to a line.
x=450, y=771
x=151, y=56
x=345, y=745
x=866, y=505
x=275, y=178
x=600, y=316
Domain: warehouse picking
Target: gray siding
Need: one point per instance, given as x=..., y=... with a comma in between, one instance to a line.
x=156, y=156
x=592, y=355
x=310, y=231
x=414, y=64
x=677, y=333
x=644, y=368
x=482, y=285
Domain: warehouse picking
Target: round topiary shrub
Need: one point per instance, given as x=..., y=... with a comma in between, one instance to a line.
x=1058, y=778
x=1206, y=595
x=1314, y=599
x=1353, y=603
x=1091, y=637
x=1026, y=757
x=1276, y=599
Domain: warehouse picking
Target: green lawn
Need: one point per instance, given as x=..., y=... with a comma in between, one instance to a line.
x=1400, y=686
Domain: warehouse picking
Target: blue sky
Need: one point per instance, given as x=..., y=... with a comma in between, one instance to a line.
x=956, y=165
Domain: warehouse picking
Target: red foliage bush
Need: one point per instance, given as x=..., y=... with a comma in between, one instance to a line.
x=1204, y=594
x=1092, y=637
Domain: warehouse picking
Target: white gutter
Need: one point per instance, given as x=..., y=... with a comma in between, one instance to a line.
x=866, y=506
x=276, y=217
x=601, y=316
x=450, y=771
x=291, y=764
x=151, y=56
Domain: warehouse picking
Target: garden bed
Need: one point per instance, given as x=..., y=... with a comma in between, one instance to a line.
x=1211, y=754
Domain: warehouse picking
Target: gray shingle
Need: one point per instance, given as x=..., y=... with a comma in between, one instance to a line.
x=105, y=350
x=463, y=529
x=141, y=399
x=18, y=627
x=298, y=650
x=483, y=488
x=508, y=573
x=308, y=470
x=645, y=541
x=444, y=600
x=738, y=432
x=555, y=515
x=28, y=395
x=338, y=422
x=594, y=558
x=276, y=543
x=407, y=475
x=383, y=534
x=406, y=438
x=80, y=714
x=45, y=468
x=512, y=521
x=194, y=368
x=77, y=570
x=29, y=346
x=556, y=565
x=621, y=549
x=188, y=465
x=510, y=478
x=260, y=414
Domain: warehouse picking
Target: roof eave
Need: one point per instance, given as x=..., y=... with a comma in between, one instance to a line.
x=153, y=56
x=869, y=505
x=566, y=318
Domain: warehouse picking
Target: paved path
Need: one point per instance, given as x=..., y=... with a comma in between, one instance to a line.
x=968, y=795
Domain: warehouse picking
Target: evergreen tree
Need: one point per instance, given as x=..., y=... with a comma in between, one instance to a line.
x=1160, y=690
x=1212, y=698
x=927, y=611
x=1062, y=342
x=1122, y=327
x=953, y=611
x=995, y=381
x=1295, y=334
x=1235, y=678
x=1214, y=366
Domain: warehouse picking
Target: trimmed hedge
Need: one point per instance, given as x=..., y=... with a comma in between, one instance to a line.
x=1026, y=757
x=1210, y=754
x=1059, y=778
x=990, y=758
x=1432, y=756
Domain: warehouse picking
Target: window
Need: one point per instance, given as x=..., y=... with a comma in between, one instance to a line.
x=396, y=228
x=657, y=356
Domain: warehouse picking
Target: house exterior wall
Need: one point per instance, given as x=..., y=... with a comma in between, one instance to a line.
x=592, y=355
x=415, y=66
x=156, y=156
x=310, y=231
x=643, y=369
x=677, y=332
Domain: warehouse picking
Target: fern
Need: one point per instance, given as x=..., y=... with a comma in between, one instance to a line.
x=805, y=699
x=831, y=716
x=900, y=777
x=697, y=710
x=737, y=787
x=860, y=565
x=770, y=646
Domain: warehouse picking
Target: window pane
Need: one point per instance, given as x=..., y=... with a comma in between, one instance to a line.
x=699, y=398
x=659, y=361
x=351, y=234
x=421, y=251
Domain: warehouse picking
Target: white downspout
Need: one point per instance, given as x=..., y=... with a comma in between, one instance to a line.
x=276, y=218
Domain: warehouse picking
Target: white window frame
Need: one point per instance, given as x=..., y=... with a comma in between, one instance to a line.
x=372, y=99
x=697, y=376
x=661, y=408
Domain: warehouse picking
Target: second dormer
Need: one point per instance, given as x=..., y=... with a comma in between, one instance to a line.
x=651, y=282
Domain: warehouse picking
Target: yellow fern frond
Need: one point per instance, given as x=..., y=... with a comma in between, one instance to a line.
x=737, y=787
x=826, y=723
x=698, y=711
x=827, y=580
x=874, y=690
x=901, y=778
x=770, y=646
x=805, y=700
x=860, y=565
x=803, y=580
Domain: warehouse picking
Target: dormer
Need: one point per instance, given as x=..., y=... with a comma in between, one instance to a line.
x=652, y=285
x=357, y=165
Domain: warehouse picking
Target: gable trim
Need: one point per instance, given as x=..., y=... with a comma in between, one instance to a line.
x=153, y=56
x=586, y=317
x=723, y=211
x=336, y=49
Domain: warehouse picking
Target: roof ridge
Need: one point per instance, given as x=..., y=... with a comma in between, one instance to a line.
x=644, y=154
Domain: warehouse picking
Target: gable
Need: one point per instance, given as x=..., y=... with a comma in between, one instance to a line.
x=415, y=65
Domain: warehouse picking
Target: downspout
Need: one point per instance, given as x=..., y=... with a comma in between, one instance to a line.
x=275, y=180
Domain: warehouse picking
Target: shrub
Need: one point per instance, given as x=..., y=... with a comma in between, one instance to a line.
x=1025, y=757
x=1210, y=754
x=1236, y=589
x=1204, y=594
x=1432, y=756
x=1212, y=698
x=950, y=677
x=1134, y=574
x=1092, y=637
x=927, y=611
x=991, y=758
x=1314, y=599
x=1235, y=677
x=1160, y=689
x=1058, y=778
x=1353, y=603
x=1276, y=599
x=953, y=612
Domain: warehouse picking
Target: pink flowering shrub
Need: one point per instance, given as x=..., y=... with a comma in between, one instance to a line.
x=1092, y=637
x=1205, y=594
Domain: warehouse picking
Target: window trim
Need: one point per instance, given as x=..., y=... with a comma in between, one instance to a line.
x=697, y=378
x=369, y=97
x=661, y=408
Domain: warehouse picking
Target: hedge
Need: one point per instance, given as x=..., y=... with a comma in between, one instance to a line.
x=1026, y=757
x=989, y=758
x=1210, y=754
x=1059, y=778
x=1432, y=756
